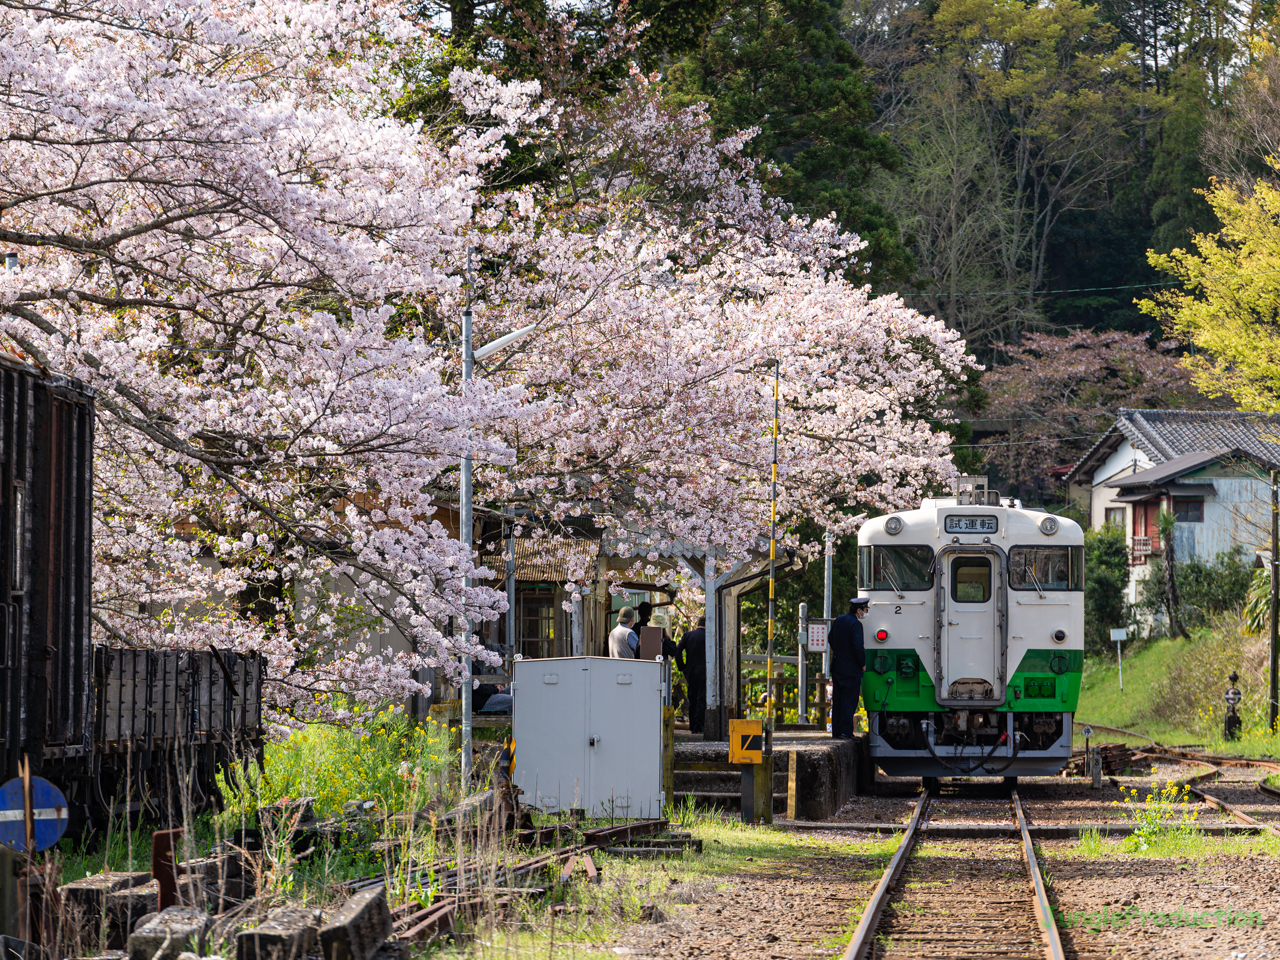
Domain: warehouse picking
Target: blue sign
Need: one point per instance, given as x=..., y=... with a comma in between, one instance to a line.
x=49, y=813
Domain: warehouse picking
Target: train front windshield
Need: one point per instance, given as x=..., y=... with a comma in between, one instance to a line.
x=1046, y=568
x=895, y=568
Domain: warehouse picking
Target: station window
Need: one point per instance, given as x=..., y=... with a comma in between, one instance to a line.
x=1046, y=568
x=1187, y=510
x=902, y=568
x=536, y=625
x=971, y=579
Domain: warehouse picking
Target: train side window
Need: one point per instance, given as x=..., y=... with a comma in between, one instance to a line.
x=971, y=579
x=895, y=568
x=1046, y=568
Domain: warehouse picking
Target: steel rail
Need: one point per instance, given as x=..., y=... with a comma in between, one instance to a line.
x=864, y=936
x=1239, y=815
x=1044, y=911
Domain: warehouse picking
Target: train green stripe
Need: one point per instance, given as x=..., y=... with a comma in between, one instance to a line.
x=1035, y=687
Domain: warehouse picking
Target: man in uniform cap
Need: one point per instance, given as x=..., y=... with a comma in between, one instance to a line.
x=848, y=659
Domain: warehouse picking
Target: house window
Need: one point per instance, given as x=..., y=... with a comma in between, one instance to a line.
x=536, y=626
x=1187, y=510
x=1115, y=517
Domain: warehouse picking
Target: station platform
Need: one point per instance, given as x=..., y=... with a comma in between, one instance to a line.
x=823, y=772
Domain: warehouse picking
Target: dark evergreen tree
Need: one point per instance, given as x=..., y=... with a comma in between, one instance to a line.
x=783, y=66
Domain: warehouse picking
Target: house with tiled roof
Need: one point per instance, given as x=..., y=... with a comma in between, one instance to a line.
x=1211, y=469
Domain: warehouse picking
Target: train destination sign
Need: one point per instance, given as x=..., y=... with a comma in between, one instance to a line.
x=964, y=524
x=49, y=814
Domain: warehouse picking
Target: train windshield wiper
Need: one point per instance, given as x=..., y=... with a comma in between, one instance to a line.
x=1031, y=572
x=894, y=583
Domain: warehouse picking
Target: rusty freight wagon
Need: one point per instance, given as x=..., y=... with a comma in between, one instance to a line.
x=118, y=729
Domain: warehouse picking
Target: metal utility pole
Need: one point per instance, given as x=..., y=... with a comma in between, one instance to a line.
x=511, y=591
x=1274, y=694
x=828, y=588
x=465, y=531
x=802, y=663
x=773, y=559
x=465, y=534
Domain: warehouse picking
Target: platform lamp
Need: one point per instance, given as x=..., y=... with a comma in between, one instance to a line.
x=469, y=356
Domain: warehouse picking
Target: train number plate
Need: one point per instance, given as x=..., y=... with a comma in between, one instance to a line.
x=963, y=524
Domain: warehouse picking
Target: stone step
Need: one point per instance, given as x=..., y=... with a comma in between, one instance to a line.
x=727, y=801
x=700, y=782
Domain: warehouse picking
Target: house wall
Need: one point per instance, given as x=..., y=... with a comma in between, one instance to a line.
x=1121, y=463
x=1237, y=514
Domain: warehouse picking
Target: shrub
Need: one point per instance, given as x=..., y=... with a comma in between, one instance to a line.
x=390, y=759
x=1204, y=589
x=1106, y=560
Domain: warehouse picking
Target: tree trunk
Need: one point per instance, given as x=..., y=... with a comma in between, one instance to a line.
x=1176, y=628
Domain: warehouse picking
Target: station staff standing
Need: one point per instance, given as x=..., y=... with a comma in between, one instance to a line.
x=692, y=653
x=848, y=659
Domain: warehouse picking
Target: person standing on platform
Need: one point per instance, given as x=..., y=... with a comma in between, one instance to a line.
x=692, y=654
x=848, y=660
x=623, y=641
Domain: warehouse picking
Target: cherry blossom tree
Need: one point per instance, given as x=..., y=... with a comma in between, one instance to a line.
x=218, y=231
x=1057, y=394
x=666, y=284
x=229, y=232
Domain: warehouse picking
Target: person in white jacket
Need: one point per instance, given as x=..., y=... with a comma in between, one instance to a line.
x=623, y=641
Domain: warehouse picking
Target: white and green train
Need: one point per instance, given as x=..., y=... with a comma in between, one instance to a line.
x=974, y=637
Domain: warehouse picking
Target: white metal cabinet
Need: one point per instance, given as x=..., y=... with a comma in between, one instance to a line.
x=588, y=734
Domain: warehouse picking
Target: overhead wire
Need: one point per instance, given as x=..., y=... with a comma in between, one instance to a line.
x=1126, y=286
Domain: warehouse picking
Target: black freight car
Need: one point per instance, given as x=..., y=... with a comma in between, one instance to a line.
x=118, y=729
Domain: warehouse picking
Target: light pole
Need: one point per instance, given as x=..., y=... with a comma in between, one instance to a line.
x=465, y=530
x=773, y=559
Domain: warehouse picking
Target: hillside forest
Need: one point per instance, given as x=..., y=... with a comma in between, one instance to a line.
x=1014, y=168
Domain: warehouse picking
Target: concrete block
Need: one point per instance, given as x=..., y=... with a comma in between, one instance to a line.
x=358, y=928
x=175, y=930
x=84, y=899
x=227, y=866
x=125, y=907
x=288, y=933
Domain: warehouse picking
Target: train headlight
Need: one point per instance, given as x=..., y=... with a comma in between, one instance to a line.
x=1049, y=526
x=1059, y=636
x=893, y=526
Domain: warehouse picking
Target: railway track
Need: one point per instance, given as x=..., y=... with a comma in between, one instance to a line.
x=976, y=899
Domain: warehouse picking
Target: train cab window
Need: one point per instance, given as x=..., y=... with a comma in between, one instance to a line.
x=1046, y=568
x=971, y=579
x=898, y=568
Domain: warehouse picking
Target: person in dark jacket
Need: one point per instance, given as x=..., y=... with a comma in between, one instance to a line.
x=848, y=659
x=692, y=653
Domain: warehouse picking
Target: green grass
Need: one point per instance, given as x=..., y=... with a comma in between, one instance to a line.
x=1102, y=701
x=396, y=763
x=598, y=914
x=1173, y=692
x=1169, y=844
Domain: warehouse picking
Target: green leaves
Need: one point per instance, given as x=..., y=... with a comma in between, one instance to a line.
x=782, y=66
